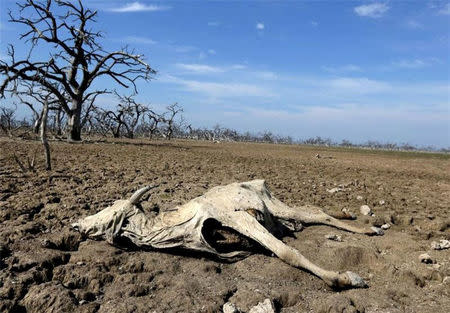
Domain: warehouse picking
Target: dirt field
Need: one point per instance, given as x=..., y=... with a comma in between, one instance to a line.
x=46, y=267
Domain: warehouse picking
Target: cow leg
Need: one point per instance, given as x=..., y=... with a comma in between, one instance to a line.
x=248, y=226
x=309, y=214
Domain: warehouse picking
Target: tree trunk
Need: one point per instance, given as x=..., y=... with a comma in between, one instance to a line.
x=74, y=122
x=44, y=137
x=58, y=122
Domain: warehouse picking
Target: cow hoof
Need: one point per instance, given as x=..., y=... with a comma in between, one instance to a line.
x=355, y=280
x=377, y=231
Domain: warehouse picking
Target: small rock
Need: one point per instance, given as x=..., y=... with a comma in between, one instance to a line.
x=446, y=280
x=359, y=198
x=334, y=237
x=425, y=258
x=441, y=245
x=263, y=307
x=365, y=210
x=230, y=308
x=382, y=202
x=385, y=226
x=335, y=189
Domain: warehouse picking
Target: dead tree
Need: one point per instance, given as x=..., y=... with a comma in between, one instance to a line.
x=154, y=120
x=190, y=131
x=35, y=97
x=58, y=117
x=97, y=122
x=132, y=113
x=169, y=119
x=76, y=58
x=37, y=114
x=112, y=121
x=7, y=119
x=48, y=162
x=123, y=120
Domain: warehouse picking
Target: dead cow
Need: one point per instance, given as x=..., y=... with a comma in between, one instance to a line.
x=220, y=222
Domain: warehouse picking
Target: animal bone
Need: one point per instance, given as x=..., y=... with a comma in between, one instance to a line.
x=219, y=222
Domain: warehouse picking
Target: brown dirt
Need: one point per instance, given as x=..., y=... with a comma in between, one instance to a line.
x=47, y=267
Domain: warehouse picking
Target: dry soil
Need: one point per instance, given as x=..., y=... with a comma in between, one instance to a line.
x=46, y=267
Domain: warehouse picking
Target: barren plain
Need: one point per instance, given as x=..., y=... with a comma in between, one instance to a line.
x=45, y=266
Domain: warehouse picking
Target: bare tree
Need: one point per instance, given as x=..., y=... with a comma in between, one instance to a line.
x=35, y=97
x=76, y=58
x=125, y=119
x=96, y=122
x=58, y=118
x=154, y=120
x=112, y=121
x=7, y=119
x=169, y=119
x=37, y=113
x=132, y=113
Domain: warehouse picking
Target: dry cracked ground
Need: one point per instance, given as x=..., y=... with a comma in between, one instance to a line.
x=46, y=267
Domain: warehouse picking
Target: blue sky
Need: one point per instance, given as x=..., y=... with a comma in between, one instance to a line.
x=357, y=70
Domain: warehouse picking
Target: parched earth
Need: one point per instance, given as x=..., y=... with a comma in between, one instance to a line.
x=45, y=266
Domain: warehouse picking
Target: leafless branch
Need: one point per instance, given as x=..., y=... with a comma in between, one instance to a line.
x=77, y=58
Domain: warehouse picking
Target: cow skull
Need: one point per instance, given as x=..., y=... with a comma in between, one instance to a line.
x=219, y=222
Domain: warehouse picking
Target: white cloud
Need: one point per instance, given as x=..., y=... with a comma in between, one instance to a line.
x=220, y=89
x=260, y=26
x=139, y=7
x=169, y=46
x=139, y=40
x=266, y=75
x=199, y=68
x=411, y=64
x=211, y=51
x=344, y=68
x=227, y=90
x=373, y=122
x=445, y=10
x=352, y=113
x=213, y=23
x=373, y=10
x=360, y=85
x=209, y=69
x=302, y=105
x=314, y=24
